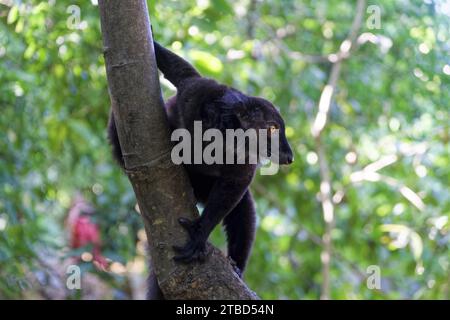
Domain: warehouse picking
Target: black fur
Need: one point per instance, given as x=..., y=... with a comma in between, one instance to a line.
x=223, y=189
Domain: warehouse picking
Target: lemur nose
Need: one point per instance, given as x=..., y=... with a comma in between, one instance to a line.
x=290, y=159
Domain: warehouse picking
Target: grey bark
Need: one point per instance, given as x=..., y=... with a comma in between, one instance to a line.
x=162, y=189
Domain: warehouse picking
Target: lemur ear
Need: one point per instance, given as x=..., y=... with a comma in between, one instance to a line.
x=217, y=117
x=248, y=113
x=240, y=110
x=232, y=105
x=242, y=113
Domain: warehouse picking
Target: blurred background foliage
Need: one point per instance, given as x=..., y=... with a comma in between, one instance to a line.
x=387, y=144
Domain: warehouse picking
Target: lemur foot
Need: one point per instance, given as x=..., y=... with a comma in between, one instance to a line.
x=236, y=269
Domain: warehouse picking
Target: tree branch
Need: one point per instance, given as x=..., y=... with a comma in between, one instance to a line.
x=162, y=189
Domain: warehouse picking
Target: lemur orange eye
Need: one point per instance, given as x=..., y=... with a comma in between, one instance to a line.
x=272, y=129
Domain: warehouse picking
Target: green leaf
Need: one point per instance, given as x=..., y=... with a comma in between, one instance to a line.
x=13, y=14
x=206, y=62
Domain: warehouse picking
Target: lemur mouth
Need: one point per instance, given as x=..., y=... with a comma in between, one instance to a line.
x=282, y=160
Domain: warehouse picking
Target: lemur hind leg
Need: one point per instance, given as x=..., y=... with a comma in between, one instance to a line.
x=240, y=229
x=153, y=290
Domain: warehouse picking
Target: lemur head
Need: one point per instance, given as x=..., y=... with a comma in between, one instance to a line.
x=258, y=113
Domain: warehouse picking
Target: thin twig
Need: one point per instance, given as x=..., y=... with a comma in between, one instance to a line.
x=318, y=126
x=251, y=19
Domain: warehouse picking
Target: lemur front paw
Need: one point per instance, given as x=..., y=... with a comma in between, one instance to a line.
x=195, y=249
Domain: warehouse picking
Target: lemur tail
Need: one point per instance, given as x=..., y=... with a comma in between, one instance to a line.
x=174, y=68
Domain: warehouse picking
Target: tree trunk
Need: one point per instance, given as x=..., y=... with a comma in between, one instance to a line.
x=162, y=189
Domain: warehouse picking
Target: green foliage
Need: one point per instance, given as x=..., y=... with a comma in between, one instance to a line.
x=391, y=104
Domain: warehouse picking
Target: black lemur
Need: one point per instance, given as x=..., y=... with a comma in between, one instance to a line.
x=223, y=189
